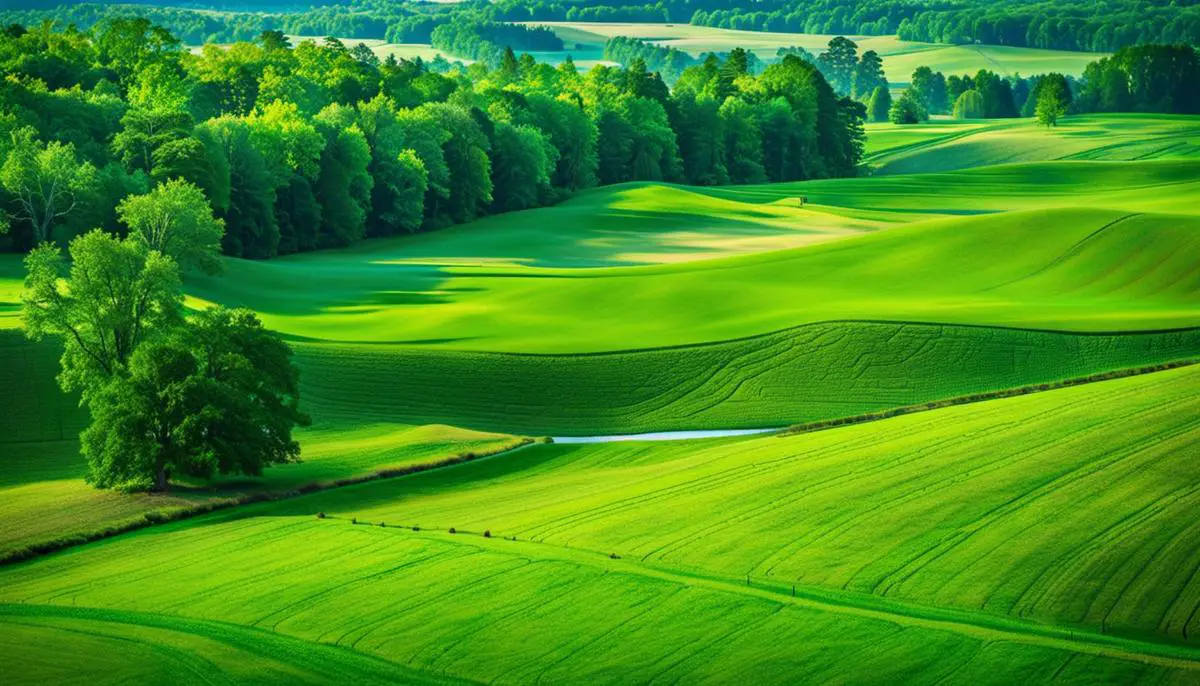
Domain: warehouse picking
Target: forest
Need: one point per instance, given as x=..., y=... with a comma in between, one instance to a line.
x=1063, y=24
x=319, y=144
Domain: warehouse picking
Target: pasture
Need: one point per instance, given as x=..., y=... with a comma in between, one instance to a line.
x=900, y=58
x=997, y=553
x=941, y=145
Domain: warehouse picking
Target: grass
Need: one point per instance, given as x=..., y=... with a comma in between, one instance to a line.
x=940, y=146
x=1036, y=524
x=120, y=647
x=1037, y=269
x=900, y=58
x=807, y=374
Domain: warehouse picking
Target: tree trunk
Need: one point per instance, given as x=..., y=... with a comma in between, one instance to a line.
x=160, y=477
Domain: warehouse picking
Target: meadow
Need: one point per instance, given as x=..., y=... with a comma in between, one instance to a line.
x=943, y=145
x=427, y=537
x=999, y=553
x=900, y=58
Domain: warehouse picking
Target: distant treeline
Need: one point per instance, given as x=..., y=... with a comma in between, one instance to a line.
x=321, y=144
x=487, y=41
x=1085, y=25
x=1143, y=78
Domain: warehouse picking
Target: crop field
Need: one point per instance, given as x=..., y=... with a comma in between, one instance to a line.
x=971, y=372
x=1000, y=552
x=950, y=145
x=900, y=58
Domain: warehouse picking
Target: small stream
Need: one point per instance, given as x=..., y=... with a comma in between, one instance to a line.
x=662, y=436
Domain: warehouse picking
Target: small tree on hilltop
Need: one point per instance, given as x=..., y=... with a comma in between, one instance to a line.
x=881, y=104
x=908, y=109
x=969, y=105
x=1051, y=103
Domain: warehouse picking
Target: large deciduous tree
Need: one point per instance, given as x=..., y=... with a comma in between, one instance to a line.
x=219, y=396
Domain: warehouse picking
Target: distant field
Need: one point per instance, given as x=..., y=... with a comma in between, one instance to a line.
x=949, y=145
x=1044, y=539
x=901, y=58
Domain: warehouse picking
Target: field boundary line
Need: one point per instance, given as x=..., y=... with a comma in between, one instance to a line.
x=972, y=623
x=1000, y=394
x=302, y=340
x=155, y=517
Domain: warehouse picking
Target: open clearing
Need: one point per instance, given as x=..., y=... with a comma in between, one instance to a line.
x=1002, y=549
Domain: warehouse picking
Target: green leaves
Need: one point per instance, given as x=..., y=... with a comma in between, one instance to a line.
x=115, y=296
x=217, y=396
x=47, y=181
x=174, y=219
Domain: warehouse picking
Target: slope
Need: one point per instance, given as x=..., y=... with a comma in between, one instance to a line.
x=913, y=575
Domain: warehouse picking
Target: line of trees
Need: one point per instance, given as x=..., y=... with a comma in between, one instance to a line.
x=320, y=145
x=486, y=41
x=1142, y=78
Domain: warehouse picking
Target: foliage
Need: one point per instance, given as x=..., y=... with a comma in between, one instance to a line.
x=47, y=182
x=908, y=109
x=175, y=220
x=969, y=105
x=218, y=396
x=880, y=106
x=323, y=144
x=1052, y=101
x=1144, y=78
x=116, y=296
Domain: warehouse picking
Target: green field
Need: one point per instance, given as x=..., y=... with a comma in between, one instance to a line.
x=939, y=146
x=900, y=58
x=1005, y=552
x=1048, y=536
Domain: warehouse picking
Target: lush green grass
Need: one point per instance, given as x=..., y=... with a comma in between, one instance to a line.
x=975, y=543
x=1056, y=269
x=949, y=145
x=46, y=498
x=815, y=372
x=116, y=647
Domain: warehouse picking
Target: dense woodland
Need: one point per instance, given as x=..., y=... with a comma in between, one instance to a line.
x=1062, y=24
x=319, y=145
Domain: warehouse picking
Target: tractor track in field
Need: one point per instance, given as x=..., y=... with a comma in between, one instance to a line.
x=983, y=626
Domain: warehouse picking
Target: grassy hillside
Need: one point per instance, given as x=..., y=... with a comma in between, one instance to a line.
x=1059, y=269
x=586, y=40
x=945, y=146
x=976, y=542
x=814, y=372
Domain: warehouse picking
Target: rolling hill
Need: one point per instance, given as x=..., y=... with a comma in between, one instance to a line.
x=955, y=563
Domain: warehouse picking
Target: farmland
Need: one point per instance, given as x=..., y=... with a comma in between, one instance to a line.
x=586, y=40
x=949, y=376
x=950, y=145
x=970, y=573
